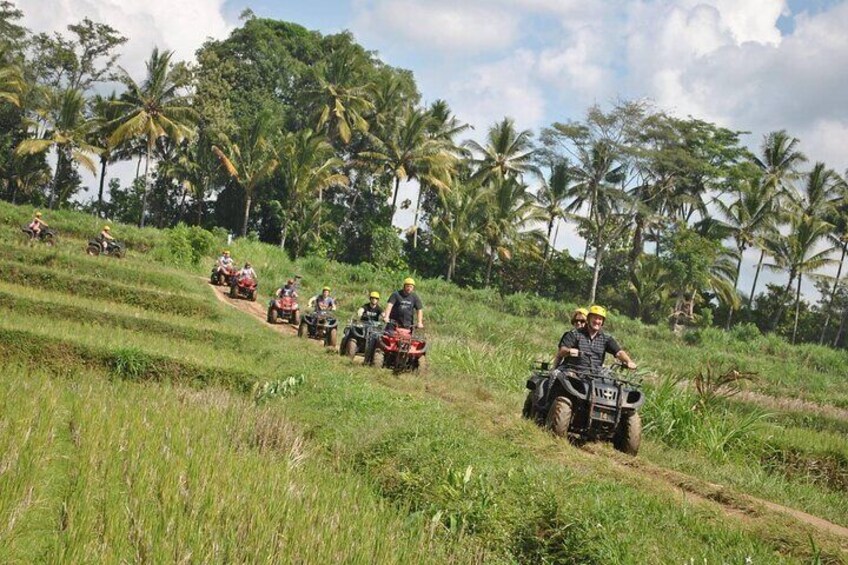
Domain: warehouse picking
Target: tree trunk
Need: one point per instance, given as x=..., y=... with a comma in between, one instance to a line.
x=452, y=265
x=489, y=264
x=841, y=329
x=833, y=292
x=53, y=188
x=783, y=296
x=394, y=198
x=797, y=307
x=181, y=213
x=146, y=184
x=247, y=202
x=415, y=221
x=596, y=272
x=103, y=162
x=735, y=284
x=756, y=276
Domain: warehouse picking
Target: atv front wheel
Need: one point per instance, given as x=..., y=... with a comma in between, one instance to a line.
x=332, y=338
x=559, y=416
x=93, y=250
x=253, y=296
x=350, y=348
x=272, y=315
x=378, y=358
x=117, y=254
x=527, y=409
x=48, y=239
x=628, y=436
x=233, y=292
x=301, y=329
x=296, y=317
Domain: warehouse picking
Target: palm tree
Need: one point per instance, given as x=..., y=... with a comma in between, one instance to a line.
x=67, y=131
x=507, y=153
x=797, y=253
x=551, y=198
x=746, y=218
x=779, y=164
x=153, y=109
x=456, y=226
x=12, y=82
x=106, y=113
x=340, y=97
x=307, y=167
x=249, y=162
x=820, y=193
x=509, y=210
x=838, y=218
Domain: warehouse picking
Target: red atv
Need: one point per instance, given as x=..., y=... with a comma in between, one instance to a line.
x=243, y=287
x=223, y=275
x=399, y=349
x=284, y=308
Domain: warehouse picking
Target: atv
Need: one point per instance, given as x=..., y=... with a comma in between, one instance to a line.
x=47, y=235
x=588, y=406
x=357, y=335
x=399, y=349
x=284, y=308
x=113, y=248
x=244, y=287
x=222, y=275
x=321, y=324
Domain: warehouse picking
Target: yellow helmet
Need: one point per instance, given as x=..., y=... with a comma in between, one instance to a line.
x=409, y=280
x=327, y=288
x=38, y=214
x=598, y=310
x=226, y=252
x=374, y=294
x=581, y=311
x=106, y=228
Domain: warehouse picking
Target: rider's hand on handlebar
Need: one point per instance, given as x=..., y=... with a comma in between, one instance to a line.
x=419, y=326
x=631, y=365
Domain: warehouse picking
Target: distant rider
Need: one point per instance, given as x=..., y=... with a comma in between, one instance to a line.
x=584, y=349
x=323, y=301
x=371, y=311
x=105, y=237
x=288, y=289
x=246, y=273
x=404, y=307
x=578, y=321
x=36, y=225
x=224, y=263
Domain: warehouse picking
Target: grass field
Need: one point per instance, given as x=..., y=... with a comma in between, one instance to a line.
x=145, y=420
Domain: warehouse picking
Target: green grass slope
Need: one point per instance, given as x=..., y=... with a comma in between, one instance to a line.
x=145, y=420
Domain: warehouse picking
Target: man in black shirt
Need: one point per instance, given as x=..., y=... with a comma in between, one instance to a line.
x=372, y=311
x=404, y=307
x=583, y=350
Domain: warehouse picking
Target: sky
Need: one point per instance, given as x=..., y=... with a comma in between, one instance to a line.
x=750, y=65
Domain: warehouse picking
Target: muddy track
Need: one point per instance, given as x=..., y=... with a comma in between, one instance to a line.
x=692, y=489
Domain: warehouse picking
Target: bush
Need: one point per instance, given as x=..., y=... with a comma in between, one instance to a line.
x=387, y=250
x=745, y=332
x=186, y=245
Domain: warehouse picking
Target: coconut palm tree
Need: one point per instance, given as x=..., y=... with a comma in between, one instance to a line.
x=507, y=153
x=838, y=218
x=819, y=193
x=153, y=109
x=551, y=197
x=341, y=99
x=67, y=132
x=796, y=252
x=12, y=84
x=456, y=226
x=249, y=162
x=106, y=113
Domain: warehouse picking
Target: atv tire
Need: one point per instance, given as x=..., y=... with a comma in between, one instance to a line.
x=559, y=416
x=253, y=296
x=272, y=315
x=332, y=338
x=378, y=358
x=296, y=318
x=93, y=250
x=233, y=292
x=628, y=436
x=48, y=240
x=527, y=410
x=301, y=330
x=117, y=254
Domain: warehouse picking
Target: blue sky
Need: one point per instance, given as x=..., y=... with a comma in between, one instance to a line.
x=752, y=65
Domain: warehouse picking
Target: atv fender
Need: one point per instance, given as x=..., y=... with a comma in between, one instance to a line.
x=573, y=384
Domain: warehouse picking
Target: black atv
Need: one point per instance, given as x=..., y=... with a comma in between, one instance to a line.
x=596, y=406
x=47, y=235
x=321, y=324
x=113, y=248
x=356, y=336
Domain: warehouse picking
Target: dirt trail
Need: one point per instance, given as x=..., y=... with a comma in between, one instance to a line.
x=742, y=506
x=793, y=405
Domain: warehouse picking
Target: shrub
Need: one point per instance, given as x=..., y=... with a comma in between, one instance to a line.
x=186, y=245
x=745, y=332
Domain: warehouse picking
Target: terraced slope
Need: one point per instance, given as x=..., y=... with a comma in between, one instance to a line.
x=127, y=422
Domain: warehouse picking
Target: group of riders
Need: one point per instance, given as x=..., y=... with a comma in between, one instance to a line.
x=404, y=308
x=38, y=224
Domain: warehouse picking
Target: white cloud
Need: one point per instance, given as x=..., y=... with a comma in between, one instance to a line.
x=181, y=26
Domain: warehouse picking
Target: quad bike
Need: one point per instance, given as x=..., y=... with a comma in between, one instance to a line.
x=399, y=349
x=597, y=406
x=222, y=275
x=284, y=308
x=244, y=287
x=357, y=335
x=321, y=324
x=47, y=235
x=113, y=248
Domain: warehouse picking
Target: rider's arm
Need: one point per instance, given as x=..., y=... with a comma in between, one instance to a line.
x=360, y=312
x=311, y=302
x=421, y=318
x=625, y=358
x=388, y=311
x=567, y=347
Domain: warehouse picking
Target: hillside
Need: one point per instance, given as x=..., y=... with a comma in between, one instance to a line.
x=148, y=418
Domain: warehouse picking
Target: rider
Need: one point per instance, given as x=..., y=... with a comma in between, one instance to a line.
x=371, y=311
x=578, y=321
x=288, y=289
x=584, y=349
x=225, y=262
x=105, y=237
x=37, y=224
x=404, y=307
x=246, y=273
x=323, y=301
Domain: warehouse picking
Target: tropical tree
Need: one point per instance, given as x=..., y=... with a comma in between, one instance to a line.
x=508, y=153
x=341, y=98
x=798, y=253
x=12, y=82
x=551, y=197
x=251, y=161
x=819, y=193
x=456, y=226
x=67, y=132
x=153, y=109
x=838, y=218
x=106, y=114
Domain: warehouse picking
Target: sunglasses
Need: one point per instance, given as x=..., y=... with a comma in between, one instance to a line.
x=578, y=321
